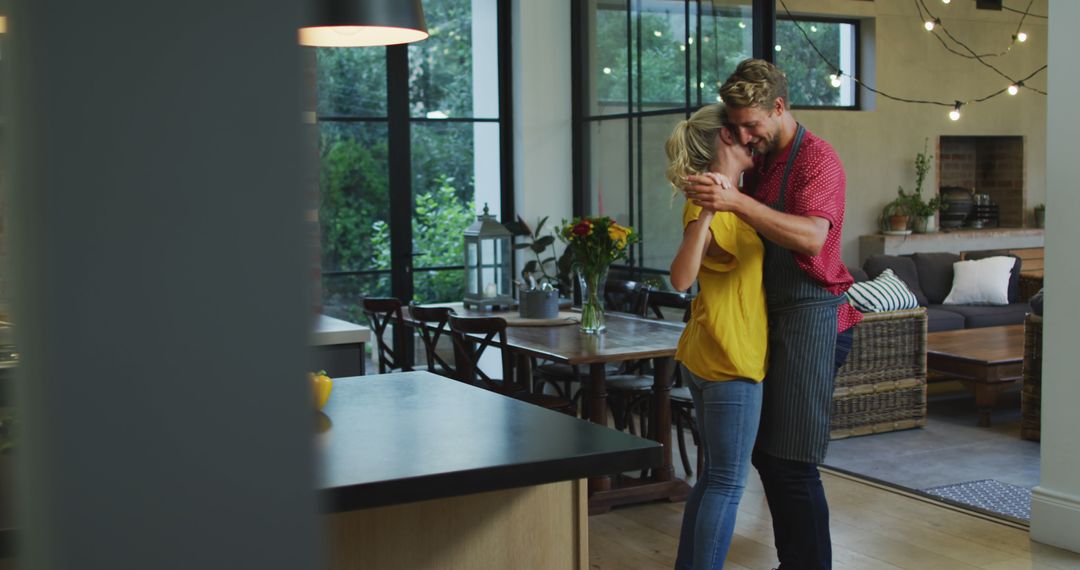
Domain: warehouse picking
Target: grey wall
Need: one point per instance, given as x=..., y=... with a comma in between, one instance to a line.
x=160, y=285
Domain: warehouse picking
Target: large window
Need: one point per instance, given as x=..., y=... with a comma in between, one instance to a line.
x=812, y=81
x=411, y=147
x=642, y=66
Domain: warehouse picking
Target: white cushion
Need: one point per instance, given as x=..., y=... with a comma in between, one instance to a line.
x=981, y=282
x=886, y=292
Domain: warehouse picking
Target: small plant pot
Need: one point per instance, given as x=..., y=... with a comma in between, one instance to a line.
x=538, y=304
x=898, y=223
x=924, y=224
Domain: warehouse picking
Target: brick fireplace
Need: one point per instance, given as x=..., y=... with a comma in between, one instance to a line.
x=991, y=165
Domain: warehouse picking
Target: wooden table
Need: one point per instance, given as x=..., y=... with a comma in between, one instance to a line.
x=987, y=360
x=626, y=338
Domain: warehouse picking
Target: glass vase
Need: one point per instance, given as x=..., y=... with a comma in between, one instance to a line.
x=592, y=281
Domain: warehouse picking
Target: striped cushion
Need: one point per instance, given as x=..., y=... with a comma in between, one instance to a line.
x=885, y=293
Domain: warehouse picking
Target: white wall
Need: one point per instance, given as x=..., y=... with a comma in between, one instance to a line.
x=1055, y=503
x=878, y=146
x=542, y=154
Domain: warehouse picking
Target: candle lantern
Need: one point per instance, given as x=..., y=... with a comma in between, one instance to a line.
x=487, y=263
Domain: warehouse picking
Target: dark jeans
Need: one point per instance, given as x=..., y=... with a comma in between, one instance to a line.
x=797, y=502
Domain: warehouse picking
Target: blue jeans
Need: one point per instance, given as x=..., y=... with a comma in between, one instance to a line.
x=728, y=413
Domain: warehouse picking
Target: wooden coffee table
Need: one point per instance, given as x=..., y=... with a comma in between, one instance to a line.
x=987, y=360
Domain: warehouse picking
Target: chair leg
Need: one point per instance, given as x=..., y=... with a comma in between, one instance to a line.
x=682, y=442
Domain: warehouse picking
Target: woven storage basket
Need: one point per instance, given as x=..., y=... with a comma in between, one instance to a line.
x=1031, y=393
x=882, y=386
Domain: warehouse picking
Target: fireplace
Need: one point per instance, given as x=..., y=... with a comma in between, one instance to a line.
x=990, y=165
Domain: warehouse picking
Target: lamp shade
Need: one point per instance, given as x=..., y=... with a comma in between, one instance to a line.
x=359, y=23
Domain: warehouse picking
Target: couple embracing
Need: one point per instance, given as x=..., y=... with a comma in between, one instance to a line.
x=770, y=326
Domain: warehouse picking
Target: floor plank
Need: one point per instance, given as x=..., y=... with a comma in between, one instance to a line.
x=873, y=529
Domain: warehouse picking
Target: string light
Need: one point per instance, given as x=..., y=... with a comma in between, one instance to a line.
x=778, y=48
x=929, y=25
x=1013, y=89
x=742, y=25
x=657, y=33
x=954, y=113
x=945, y=1
x=1022, y=37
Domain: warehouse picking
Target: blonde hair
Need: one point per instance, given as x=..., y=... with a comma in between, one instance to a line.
x=691, y=148
x=755, y=83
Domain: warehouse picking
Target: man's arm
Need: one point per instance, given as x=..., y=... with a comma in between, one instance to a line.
x=800, y=234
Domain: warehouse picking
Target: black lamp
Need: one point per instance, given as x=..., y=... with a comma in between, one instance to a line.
x=358, y=23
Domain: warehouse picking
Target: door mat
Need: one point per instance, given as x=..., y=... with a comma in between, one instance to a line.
x=988, y=495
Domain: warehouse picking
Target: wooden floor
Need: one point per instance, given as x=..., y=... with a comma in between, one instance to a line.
x=872, y=529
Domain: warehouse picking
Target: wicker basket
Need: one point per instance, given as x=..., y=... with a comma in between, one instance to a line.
x=882, y=386
x=1031, y=393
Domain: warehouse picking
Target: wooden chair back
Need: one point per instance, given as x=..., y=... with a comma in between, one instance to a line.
x=439, y=317
x=657, y=300
x=472, y=336
x=381, y=312
x=625, y=296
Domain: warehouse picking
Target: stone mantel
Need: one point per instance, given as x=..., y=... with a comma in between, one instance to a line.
x=953, y=241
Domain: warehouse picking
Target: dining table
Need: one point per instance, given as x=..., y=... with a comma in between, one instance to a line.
x=625, y=338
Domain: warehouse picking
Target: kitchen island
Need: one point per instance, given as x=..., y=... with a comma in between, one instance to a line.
x=420, y=471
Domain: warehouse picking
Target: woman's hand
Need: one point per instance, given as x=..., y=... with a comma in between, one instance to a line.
x=713, y=191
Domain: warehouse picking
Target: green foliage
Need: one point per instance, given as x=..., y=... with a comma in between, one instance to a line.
x=808, y=76
x=913, y=203
x=537, y=244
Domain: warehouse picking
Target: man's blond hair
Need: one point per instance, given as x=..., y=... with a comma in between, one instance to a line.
x=755, y=83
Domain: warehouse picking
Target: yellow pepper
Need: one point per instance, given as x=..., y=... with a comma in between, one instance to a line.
x=321, y=384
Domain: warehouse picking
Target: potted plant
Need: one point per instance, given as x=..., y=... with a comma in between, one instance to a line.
x=896, y=214
x=923, y=213
x=1040, y=215
x=538, y=297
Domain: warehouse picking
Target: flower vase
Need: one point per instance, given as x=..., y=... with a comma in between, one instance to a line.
x=592, y=281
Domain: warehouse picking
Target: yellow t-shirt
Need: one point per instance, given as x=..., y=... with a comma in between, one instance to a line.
x=727, y=335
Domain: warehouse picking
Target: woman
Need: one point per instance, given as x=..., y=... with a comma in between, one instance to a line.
x=722, y=352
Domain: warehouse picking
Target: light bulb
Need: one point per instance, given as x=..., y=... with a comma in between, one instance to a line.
x=778, y=48
x=929, y=25
x=1022, y=36
x=813, y=28
x=607, y=71
x=701, y=84
x=955, y=114
x=719, y=99
x=742, y=25
x=690, y=41
x=657, y=33
x=682, y=47
x=1013, y=90
x=835, y=80
x=945, y=1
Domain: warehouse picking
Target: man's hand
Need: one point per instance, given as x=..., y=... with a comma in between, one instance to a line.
x=714, y=192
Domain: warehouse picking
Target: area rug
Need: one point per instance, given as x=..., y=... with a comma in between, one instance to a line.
x=988, y=495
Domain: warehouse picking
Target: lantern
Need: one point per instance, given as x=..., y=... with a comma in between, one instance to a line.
x=487, y=263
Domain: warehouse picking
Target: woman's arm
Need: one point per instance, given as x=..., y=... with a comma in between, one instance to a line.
x=697, y=243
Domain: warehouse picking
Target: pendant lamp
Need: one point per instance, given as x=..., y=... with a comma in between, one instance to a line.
x=359, y=23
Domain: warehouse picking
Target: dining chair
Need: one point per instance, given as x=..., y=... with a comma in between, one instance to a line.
x=440, y=318
x=382, y=312
x=474, y=335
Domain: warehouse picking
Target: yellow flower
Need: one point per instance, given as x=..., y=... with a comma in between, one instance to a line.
x=618, y=234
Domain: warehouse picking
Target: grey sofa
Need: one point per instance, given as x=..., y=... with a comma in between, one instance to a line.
x=930, y=277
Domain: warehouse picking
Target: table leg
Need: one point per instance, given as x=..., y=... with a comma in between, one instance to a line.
x=363, y=360
x=524, y=371
x=597, y=393
x=662, y=369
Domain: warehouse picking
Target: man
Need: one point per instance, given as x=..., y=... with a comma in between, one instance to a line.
x=796, y=203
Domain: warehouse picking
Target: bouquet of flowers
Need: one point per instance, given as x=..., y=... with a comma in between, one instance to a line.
x=594, y=243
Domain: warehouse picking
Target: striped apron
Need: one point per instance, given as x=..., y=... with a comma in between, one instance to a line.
x=797, y=402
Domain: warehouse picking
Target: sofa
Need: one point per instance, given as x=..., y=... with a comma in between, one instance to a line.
x=929, y=276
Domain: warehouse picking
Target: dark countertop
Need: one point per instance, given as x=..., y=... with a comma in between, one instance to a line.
x=412, y=436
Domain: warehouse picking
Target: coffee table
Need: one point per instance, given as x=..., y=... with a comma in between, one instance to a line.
x=987, y=360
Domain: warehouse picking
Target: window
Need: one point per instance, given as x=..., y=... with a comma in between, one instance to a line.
x=411, y=146
x=810, y=79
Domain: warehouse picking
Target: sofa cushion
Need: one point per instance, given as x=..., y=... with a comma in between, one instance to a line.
x=886, y=292
x=858, y=274
x=1014, y=276
x=935, y=274
x=981, y=281
x=977, y=316
x=943, y=319
x=903, y=267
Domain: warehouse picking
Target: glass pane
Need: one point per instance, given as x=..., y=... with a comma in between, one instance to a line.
x=809, y=77
x=351, y=81
x=607, y=59
x=354, y=210
x=455, y=73
x=449, y=188
x=661, y=210
x=341, y=294
x=726, y=36
x=438, y=286
x=660, y=42
x=609, y=177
